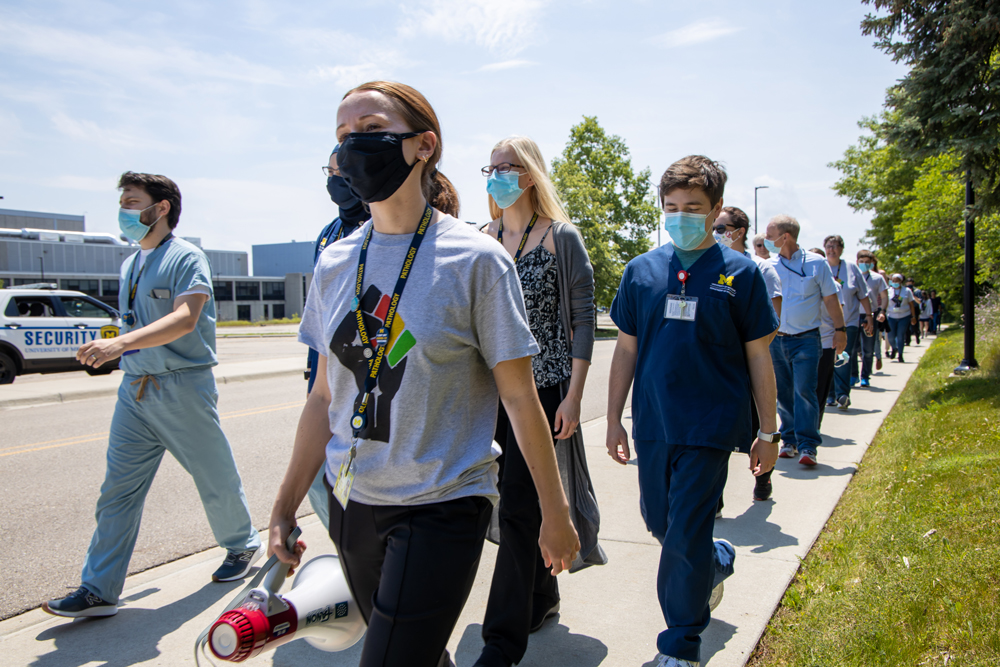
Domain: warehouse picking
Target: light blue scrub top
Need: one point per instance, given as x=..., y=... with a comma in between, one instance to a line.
x=805, y=280
x=176, y=267
x=853, y=288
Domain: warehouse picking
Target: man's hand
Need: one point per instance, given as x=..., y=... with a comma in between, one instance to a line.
x=567, y=418
x=100, y=351
x=558, y=542
x=881, y=317
x=869, y=325
x=839, y=341
x=763, y=455
x=278, y=533
x=617, y=443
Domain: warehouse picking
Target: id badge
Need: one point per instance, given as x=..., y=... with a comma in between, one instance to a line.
x=345, y=480
x=681, y=307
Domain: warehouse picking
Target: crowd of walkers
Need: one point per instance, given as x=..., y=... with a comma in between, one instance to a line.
x=449, y=414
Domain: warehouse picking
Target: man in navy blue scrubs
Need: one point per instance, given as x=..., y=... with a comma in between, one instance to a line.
x=695, y=320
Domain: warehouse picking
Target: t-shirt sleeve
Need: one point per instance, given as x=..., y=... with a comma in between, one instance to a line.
x=859, y=280
x=824, y=276
x=623, y=308
x=500, y=322
x=311, y=329
x=756, y=318
x=194, y=272
x=772, y=281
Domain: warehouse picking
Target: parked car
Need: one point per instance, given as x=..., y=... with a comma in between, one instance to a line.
x=42, y=327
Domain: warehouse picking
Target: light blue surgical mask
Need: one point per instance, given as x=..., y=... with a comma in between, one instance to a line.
x=131, y=226
x=894, y=285
x=865, y=267
x=503, y=188
x=686, y=230
x=769, y=244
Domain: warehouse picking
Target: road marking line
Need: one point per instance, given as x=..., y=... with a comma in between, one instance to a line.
x=94, y=437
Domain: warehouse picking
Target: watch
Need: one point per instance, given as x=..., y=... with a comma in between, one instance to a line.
x=841, y=329
x=773, y=438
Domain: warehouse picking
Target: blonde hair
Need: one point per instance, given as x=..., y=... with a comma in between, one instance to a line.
x=544, y=199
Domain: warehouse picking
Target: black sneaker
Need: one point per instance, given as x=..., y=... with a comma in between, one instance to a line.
x=762, y=489
x=236, y=565
x=552, y=611
x=80, y=602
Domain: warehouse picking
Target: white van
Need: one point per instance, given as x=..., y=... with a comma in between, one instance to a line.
x=42, y=327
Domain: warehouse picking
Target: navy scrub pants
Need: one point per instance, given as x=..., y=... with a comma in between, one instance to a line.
x=679, y=488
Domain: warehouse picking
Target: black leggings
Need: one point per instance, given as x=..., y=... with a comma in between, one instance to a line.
x=410, y=569
x=826, y=367
x=522, y=586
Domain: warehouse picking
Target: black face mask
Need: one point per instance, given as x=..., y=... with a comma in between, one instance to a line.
x=352, y=209
x=373, y=165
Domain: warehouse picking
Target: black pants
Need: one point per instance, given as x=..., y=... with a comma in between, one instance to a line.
x=410, y=569
x=522, y=586
x=826, y=369
x=754, y=426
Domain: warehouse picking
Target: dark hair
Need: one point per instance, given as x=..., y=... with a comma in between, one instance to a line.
x=834, y=237
x=159, y=188
x=694, y=171
x=818, y=251
x=419, y=116
x=739, y=218
x=867, y=254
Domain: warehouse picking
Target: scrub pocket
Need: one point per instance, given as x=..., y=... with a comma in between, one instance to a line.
x=714, y=321
x=156, y=308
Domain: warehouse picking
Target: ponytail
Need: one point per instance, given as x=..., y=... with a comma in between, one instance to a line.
x=442, y=194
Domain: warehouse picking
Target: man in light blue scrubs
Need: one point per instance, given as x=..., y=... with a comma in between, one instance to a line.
x=166, y=401
x=806, y=286
x=694, y=320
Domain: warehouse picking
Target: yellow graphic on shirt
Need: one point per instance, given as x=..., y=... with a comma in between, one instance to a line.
x=723, y=280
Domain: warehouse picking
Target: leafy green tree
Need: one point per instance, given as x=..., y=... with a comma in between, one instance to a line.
x=607, y=200
x=949, y=102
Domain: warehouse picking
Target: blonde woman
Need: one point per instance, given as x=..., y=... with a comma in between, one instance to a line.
x=557, y=281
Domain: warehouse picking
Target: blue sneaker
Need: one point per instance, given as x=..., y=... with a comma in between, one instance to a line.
x=80, y=602
x=854, y=381
x=865, y=382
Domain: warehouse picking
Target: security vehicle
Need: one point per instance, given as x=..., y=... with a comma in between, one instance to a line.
x=42, y=327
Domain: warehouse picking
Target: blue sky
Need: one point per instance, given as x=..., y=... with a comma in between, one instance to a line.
x=236, y=101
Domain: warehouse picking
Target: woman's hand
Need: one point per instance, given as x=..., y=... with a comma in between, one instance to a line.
x=277, y=535
x=567, y=418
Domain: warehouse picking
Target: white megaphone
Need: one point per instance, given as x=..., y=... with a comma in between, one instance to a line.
x=318, y=608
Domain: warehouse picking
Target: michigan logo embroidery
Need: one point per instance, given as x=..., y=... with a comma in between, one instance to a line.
x=725, y=285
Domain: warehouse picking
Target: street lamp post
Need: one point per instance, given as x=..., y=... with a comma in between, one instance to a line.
x=759, y=187
x=969, y=278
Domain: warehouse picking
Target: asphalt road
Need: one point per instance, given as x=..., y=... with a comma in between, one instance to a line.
x=52, y=466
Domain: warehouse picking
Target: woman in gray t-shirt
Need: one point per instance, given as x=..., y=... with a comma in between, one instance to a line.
x=405, y=398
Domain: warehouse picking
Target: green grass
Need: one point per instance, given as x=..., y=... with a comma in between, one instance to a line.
x=907, y=571
x=260, y=323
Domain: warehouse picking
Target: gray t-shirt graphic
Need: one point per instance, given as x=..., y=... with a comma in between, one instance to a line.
x=429, y=436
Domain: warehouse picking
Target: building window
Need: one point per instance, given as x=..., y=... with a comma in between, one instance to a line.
x=274, y=291
x=109, y=288
x=247, y=291
x=278, y=310
x=223, y=290
x=243, y=313
x=80, y=285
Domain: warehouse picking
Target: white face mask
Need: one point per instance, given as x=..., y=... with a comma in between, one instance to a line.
x=725, y=239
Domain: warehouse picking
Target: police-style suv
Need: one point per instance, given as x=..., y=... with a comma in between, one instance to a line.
x=41, y=330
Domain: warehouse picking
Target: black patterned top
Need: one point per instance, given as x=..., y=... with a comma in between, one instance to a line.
x=537, y=271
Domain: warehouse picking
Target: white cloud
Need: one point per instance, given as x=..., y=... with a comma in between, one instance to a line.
x=500, y=27
x=348, y=76
x=695, y=33
x=506, y=64
x=85, y=183
x=89, y=131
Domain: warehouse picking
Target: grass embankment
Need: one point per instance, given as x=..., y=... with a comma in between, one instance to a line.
x=259, y=323
x=907, y=571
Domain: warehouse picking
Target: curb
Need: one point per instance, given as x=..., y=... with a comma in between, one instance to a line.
x=66, y=397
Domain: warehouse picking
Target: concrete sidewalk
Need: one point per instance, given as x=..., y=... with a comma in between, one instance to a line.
x=610, y=614
x=79, y=388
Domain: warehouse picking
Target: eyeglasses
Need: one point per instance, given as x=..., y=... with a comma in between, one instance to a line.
x=329, y=171
x=721, y=229
x=502, y=168
x=758, y=245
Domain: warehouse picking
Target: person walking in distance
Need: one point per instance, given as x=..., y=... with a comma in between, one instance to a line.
x=853, y=295
x=759, y=248
x=558, y=285
x=167, y=353
x=878, y=292
x=731, y=229
x=420, y=327
x=351, y=213
x=902, y=314
x=694, y=323
x=807, y=285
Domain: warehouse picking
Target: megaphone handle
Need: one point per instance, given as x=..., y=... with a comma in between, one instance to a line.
x=276, y=576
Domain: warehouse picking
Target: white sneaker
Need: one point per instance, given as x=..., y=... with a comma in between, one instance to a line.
x=668, y=661
x=787, y=452
x=716, y=597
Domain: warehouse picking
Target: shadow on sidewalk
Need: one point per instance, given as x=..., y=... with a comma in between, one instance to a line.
x=830, y=441
x=752, y=529
x=817, y=471
x=131, y=636
x=713, y=640
x=298, y=653
x=554, y=644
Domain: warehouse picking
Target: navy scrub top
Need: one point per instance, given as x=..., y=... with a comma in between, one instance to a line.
x=691, y=385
